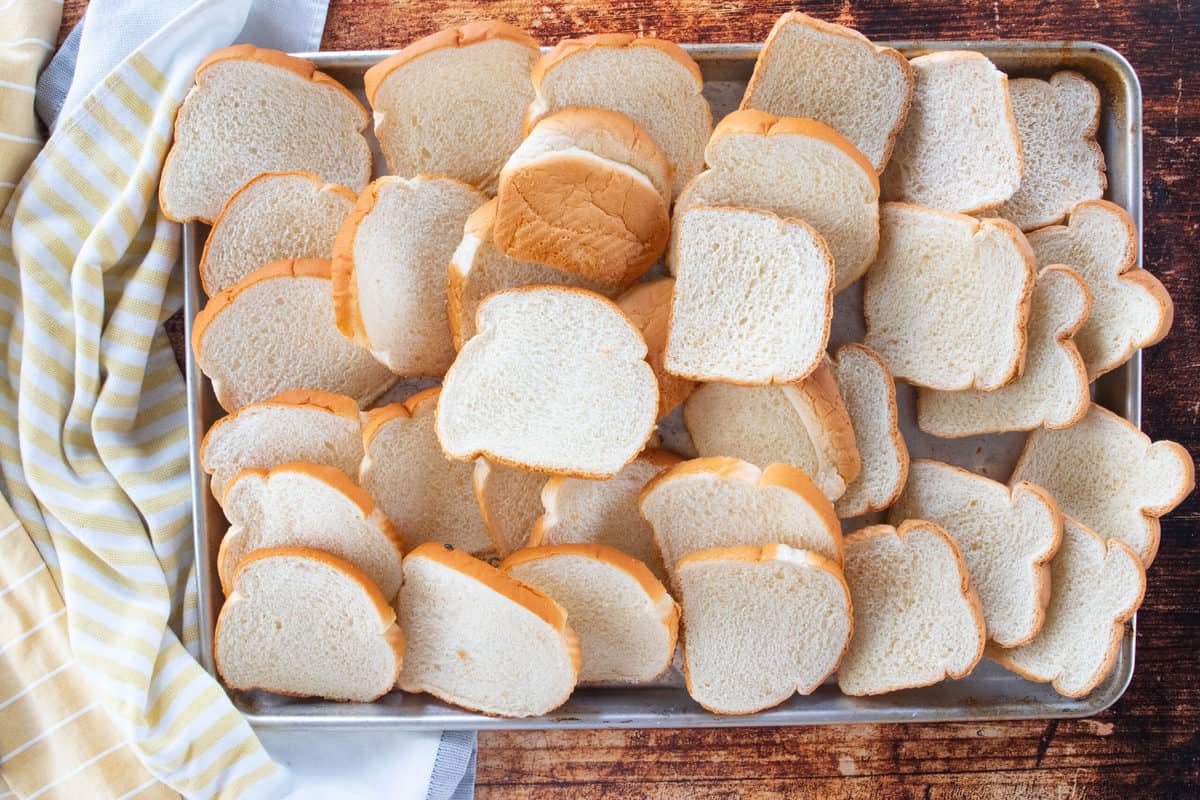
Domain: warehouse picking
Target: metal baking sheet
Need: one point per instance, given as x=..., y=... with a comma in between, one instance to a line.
x=989, y=693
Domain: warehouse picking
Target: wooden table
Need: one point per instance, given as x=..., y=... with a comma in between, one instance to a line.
x=1148, y=744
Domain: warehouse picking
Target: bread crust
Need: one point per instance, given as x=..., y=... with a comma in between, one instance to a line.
x=478, y=227
x=648, y=305
x=414, y=406
x=834, y=436
x=569, y=47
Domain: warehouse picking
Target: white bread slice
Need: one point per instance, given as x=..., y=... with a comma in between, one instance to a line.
x=917, y=619
x=452, y=103
x=1107, y=474
x=305, y=623
x=724, y=502
x=652, y=81
x=1096, y=587
x=579, y=511
x=587, y=193
x=274, y=331
x=811, y=68
x=753, y=297
x=275, y=216
x=804, y=424
x=482, y=640
x=389, y=270
x=510, y=500
x=959, y=149
x=555, y=380
x=254, y=111
x=648, y=306
x=760, y=624
x=947, y=300
x=316, y=427
x=428, y=497
x=1006, y=538
x=1052, y=391
x=799, y=169
x=1130, y=307
x=308, y=505
x=1064, y=164
x=626, y=622
x=869, y=395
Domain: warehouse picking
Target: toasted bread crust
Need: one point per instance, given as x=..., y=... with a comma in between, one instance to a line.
x=569, y=47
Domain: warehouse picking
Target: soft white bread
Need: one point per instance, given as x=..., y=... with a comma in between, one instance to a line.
x=275, y=216
x=652, y=81
x=555, y=380
x=959, y=149
x=917, y=619
x=306, y=623
x=510, y=500
x=1052, y=391
x=316, y=427
x=753, y=297
x=389, y=270
x=1097, y=587
x=274, y=331
x=604, y=512
x=427, y=496
x=760, y=624
x=648, y=306
x=811, y=68
x=1130, y=307
x=724, y=502
x=1064, y=164
x=947, y=300
x=799, y=169
x=586, y=193
x=626, y=622
x=254, y=111
x=1006, y=538
x=1107, y=474
x=308, y=505
x=453, y=102
x=804, y=424
x=482, y=640
x=869, y=395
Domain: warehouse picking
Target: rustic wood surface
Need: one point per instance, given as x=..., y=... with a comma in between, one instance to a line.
x=1148, y=744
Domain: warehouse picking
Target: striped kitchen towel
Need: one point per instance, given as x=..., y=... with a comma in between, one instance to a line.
x=26, y=41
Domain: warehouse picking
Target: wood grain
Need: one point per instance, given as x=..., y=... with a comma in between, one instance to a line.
x=1148, y=745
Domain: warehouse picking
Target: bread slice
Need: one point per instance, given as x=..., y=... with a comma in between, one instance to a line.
x=760, y=624
x=1064, y=165
x=652, y=81
x=306, y=623
x=1006, y=538
x=1107, y=474
x=1052, y=391
x=1097, y=587
x=753, y=297
x=648, y=306
x=947, y=300
x=308, y=505
x=1130, y=307
x=254, y=111
x=804, y=424
x=605, y=513
x=510, y=500
x=555, y=380
x=274, y=331
x=482, y=640
x=452, y=102
x=796, y=168
x=316, y=427
x=389, y=270
x=917, y=619
x=724, y=502
x=275, y=216
x=586, y=193
x=626, y=622
x=811, y=68
x=960, y=149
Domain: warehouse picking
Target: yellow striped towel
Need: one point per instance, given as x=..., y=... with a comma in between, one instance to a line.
x=26, y=41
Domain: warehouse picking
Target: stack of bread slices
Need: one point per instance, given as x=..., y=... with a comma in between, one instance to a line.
x=634, y=434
